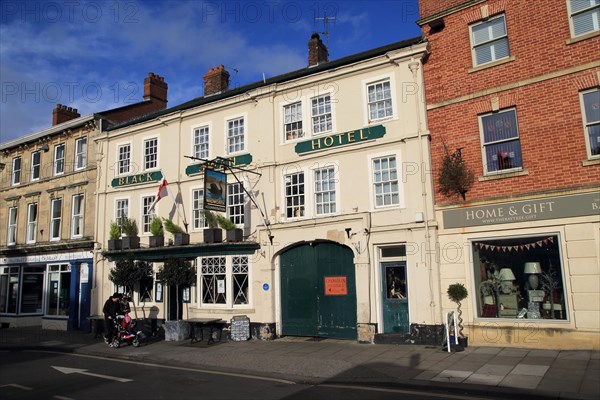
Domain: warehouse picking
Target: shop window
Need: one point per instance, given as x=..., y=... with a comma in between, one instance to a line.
x=9, y=289
x=519, y=278
x=147, y=283
x=32, y=291
x=59, y=278
x=225, y=281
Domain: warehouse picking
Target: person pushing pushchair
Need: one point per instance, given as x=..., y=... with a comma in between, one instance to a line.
x=112, y=308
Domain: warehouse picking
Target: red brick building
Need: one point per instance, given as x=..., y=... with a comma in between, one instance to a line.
x=512, y=87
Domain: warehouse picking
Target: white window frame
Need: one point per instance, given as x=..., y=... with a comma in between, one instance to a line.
x=319, y=115
x=123, y=163
x=54, y=219
x=595, y=18
x=16, y=170
x=198, y=220
x=11, y=232
x=372, y=182
x=80, y=153
x=235, y=209
x=300, y=133
x=382, y=81
x=316, y=193
x=150, y=159
x=146, y=219
x=77, y=218
x=36, y=168
x=231, y=148
x=484, y=144
x=231, y=268
x=32, y=211
x=201, y=149
x=299, y=211
x=59, y=162
x=121, y=209
x=588, y=124
x=496, y=39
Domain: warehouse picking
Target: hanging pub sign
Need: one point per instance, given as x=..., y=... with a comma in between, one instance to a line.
x=215, y=190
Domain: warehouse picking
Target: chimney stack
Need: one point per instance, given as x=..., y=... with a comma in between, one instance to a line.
x=216, y=80
x=62, y=114
x=155, y=89
x=317, y=51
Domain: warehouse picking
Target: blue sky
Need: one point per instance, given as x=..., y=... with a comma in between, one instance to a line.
x=94, y=55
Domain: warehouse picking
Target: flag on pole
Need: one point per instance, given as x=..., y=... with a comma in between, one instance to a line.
x=163, y=190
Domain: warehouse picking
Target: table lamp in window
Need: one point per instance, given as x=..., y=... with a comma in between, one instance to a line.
x=506, y=277
x=533, y=269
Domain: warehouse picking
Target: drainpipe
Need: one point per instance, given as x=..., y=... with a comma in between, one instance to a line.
x=414, y=68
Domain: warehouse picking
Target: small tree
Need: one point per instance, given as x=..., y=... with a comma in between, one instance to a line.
x=156, y=227
x=171, y=227
x=127, y=273
x=211, y=218
x=129, y=226
x=225, y=222
x=114, y=232
x=457, y=292
x=177, y=272
x=455, y=176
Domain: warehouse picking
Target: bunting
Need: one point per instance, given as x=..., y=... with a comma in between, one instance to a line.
x=516, y=248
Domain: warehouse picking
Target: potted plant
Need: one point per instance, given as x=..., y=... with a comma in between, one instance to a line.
x=455, y=176
x=212, y=234
x=114, y=237
x=232, y=232
x=175, y=274
x=158, y=234
x=457, y=292
x=179, y=236
x=129, y=228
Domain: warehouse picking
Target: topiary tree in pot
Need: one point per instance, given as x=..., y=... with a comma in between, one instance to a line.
x=174, y=274
x=158, y=234
x=114, y=237
x=457, y=292
x=232, y=232
x=212, y=234
x=127, y=273
x=180, y=237
x=129, y=228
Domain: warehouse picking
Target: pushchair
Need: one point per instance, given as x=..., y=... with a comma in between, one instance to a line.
x=125, y=332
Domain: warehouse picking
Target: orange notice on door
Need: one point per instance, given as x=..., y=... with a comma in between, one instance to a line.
x=335, y=286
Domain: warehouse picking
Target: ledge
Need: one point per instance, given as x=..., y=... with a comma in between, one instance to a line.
x=503, y=175
x=491, y=64
x=189, y=251
x=587, y=163
x=582, y=37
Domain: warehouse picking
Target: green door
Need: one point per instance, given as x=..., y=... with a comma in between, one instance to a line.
x=318, y=291
x=394, y=297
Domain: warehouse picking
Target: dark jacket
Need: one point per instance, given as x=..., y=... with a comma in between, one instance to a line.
x=111, y=308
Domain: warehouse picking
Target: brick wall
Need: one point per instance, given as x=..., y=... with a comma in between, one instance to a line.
x=429, y=7
x=548, y=112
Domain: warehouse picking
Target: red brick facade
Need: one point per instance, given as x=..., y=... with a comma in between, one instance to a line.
x=541, y=79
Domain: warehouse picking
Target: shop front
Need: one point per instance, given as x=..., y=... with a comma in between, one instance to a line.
x=49, y=290
x=531, y=267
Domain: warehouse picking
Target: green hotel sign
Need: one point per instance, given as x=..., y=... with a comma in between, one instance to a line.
x=341, y=139
x=136, y=179
x=196, y=169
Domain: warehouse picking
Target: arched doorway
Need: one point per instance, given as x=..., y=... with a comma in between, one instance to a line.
x=318, y=291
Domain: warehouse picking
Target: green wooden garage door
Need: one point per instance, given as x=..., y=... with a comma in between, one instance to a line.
x=318, y=291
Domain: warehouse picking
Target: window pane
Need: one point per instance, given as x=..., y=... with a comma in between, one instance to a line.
x=586, y=21
x=579, y=5
x=504, y=155
x=499, y=126
x=594, y=137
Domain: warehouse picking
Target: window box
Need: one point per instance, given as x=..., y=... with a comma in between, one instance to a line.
x=115, y=244
x=131, y=242
x=234, y=235
x=181, y=239
x=213, y=235
x=156, y=241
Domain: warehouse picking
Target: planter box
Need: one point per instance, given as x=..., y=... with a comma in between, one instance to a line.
x=181, y=239
x=114, y=244
x=213, y=235
x=235, y=235
x=176, y=331
x=156, y=241
x=131, y=242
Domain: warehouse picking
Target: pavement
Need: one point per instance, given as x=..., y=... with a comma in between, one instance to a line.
x=478, y=370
